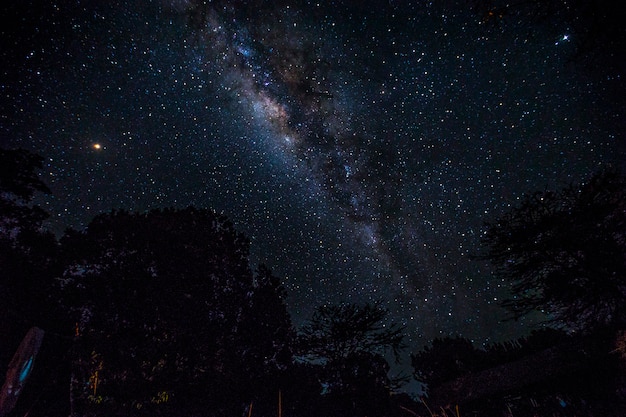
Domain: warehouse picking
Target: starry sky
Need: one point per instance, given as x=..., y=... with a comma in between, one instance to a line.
x=360, y=145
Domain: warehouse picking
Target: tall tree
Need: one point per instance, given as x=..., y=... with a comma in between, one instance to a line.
x=26, y=251
x=264, y=344
x=596, y=26
x=564, y=253
x=444, y=360
x=348, y=343
x=28, y=261
x=159, y=300
x=19, y=182
x=534, y=375
x=336, y=332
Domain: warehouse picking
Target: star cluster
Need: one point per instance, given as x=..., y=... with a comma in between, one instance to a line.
x=360, y=146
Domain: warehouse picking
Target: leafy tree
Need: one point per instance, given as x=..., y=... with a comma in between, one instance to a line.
x=19, y=181
x=267, y=331
x=449, y=358
x=564, y=253
x=26, y=251
x=534, y=375
x=336, y=332
x=28, y=261
x=445, y=359
x=348, y=343
x=161, y=302
x=264, y=342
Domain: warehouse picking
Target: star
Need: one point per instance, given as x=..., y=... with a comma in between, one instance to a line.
x=389, y=133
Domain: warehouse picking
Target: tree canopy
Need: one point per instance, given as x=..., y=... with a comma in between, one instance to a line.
x=26, y=251
x=19, y=182
x=564, y=253
x=168, y=313
x=336, y=332
x=347, y=343
x=28, y=258
x=160, y=313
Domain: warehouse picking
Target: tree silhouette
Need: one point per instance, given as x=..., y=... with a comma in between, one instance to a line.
x=535, y=375
x=20, y=220
x=445, y=359
x=26, y=252
x=564, y=253
x=347, y=343
x=19, y=180
x=264, y=342
x=336, y=332
x=28, y=263
x=161, y=302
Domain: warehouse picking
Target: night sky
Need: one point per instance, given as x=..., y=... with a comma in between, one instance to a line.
x=360, y=145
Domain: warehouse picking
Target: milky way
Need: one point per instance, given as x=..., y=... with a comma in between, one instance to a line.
x=361, y=148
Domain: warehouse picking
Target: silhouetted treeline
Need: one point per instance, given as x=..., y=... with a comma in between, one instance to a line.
x=160, y=313
x=563, y=253
x=549, y=372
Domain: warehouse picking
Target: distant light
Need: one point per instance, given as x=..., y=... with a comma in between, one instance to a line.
x=96, y=146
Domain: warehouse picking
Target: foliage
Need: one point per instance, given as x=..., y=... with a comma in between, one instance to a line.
x=19, y=182
x=448, y=358
x=28, y=261
x=347, y=343
x=18, y=174
x=264, y=342
x=336, y=332
x=26, y=252
x=167, y=304
x=167, y=316
x=445, y=359
x=267, y=331
x=535, y=375
x=565, y=253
